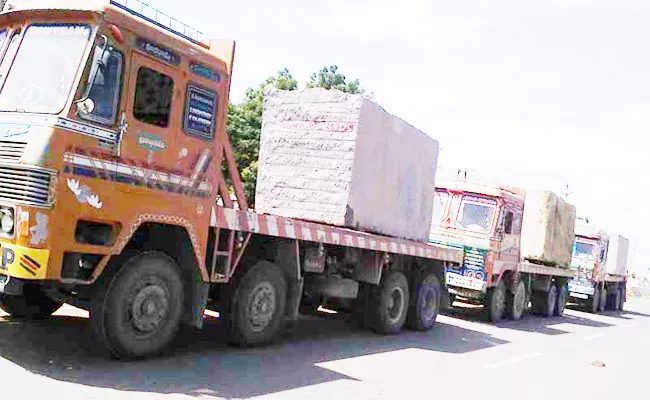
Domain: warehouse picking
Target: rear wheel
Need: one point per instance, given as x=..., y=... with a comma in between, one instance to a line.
x=496, y=302
x=425, y=301
x=33, y=304
x=517, y=301
x=136, y=312
x=562, y=297
x=257, y=305
x=550, y=302
x=389, y=303
x=603, y=300
x=621, y=299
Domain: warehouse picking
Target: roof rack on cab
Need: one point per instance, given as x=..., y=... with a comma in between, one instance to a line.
x=158, y=18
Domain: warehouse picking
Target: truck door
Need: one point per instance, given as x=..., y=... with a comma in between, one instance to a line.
x=153, y=113
x=510, y=228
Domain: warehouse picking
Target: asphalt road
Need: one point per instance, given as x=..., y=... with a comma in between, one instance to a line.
x=578, y=356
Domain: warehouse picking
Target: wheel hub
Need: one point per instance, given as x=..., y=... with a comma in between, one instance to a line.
x=430, y=305
x=261, y=306
x=149, y=308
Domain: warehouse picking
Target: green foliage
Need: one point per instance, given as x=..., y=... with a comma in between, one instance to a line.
x=245, y=119
x=329, y=78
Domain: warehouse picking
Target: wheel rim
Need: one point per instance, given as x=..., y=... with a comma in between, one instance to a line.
x=395, y=304
x=261, y=306
x=149, y=307
x=430, y=305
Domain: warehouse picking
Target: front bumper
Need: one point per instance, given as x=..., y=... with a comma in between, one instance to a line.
x=23, y=262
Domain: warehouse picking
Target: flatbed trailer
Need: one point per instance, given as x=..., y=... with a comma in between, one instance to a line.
x=124, y=197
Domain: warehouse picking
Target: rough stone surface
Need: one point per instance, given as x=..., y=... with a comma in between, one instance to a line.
x=547, y=231
x=617, y=252
x=340, y=159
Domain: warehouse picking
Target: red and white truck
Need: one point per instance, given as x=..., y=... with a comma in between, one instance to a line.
x=485, y=222
x=600, y=263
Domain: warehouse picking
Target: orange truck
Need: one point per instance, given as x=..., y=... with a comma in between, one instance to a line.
x=119, y=193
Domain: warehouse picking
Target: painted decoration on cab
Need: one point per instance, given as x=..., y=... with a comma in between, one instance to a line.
x=84, y=194
x=151, y=142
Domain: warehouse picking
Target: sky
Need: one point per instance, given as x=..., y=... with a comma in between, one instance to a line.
x=536, y=94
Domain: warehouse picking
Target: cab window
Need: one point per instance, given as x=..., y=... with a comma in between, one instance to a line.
x=200, y=112
x=105, y=82
x=153, y=97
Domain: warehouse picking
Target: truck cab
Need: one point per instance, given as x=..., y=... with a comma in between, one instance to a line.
x=592, y=286
x=485, y=221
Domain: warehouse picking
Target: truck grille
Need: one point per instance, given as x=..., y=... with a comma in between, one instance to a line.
x=11, y=152
x=22, y=184
x=474, y=258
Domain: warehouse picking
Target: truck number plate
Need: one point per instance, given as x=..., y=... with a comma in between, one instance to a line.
x=466, y=282
x=579, y=295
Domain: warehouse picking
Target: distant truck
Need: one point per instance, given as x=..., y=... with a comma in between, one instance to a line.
x=600, y=263
x=485, y=221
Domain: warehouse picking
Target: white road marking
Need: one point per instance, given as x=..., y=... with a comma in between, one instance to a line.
x=595, y=336
x=632, y=325
x=513, y=360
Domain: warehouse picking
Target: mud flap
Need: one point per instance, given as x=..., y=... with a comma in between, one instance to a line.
x=196, y=301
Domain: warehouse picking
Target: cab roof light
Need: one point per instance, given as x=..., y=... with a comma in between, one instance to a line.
x=162, y=20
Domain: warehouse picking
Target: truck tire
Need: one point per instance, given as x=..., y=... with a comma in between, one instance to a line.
x=516, y=301
x=496, y=302
x=603, y=300
x=33, y=304
x=256, y=305
x=562, y=298
x=389, y=303
x=550, y=302
x=615, y=300
x=594, y=303
x=136, y=311
x=621, y=301
x=425, y=298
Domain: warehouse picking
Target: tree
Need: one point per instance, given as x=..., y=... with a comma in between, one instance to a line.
x=245, y=125
x=329, y=78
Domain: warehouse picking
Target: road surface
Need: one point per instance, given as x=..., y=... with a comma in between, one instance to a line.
x=578, y=356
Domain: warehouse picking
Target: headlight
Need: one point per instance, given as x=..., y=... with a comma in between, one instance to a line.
x=7, y=220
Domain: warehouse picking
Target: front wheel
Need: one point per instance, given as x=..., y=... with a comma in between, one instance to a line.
x=517, y=301
x=136, y=313
x=496, y=302
x=594, y=304
x=603, y=300
x=33, y=304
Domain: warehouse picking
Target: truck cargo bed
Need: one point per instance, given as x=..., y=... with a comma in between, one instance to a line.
x=289, y=228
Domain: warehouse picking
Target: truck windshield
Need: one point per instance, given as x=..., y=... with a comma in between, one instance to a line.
x=583, y=254
x=583, y=249
x=476, y=214
x=40, y=65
